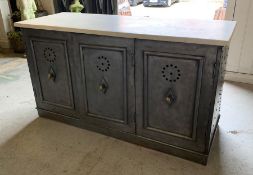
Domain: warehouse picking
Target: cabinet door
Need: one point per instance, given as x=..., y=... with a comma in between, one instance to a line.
x=50, y=71
x=108, y=76
x=172, y=94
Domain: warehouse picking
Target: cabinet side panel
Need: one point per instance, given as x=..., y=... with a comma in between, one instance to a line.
x=221, y=65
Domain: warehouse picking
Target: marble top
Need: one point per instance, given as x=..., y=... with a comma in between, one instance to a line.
x=210, y=32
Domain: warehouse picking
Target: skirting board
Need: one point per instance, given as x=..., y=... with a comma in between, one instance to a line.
x=239, y=77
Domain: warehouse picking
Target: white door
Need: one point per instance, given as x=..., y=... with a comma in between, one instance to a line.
x=240, y=59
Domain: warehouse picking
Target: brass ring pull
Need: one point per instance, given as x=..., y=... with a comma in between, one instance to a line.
x=103, y=86
x=170, y=97
x=51, y=74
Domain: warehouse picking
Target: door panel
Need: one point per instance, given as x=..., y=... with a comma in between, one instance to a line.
x=108, y=79
x=174, y=88
x=171, y=91
x=53, y=73
x=105, y=73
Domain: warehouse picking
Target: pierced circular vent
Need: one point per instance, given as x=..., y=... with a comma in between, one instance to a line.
x=49, y=54
x=171, y=73
x=103, y=64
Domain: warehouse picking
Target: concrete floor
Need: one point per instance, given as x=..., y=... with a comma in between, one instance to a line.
x=194, y=9
x=38, y=146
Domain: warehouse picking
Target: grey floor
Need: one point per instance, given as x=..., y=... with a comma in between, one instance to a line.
x=37, y=146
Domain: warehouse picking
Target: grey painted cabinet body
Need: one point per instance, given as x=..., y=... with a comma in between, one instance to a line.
x=158, y=94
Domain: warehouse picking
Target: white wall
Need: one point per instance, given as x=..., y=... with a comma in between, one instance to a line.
x=5, y=19
x=48, y=5
x=4, y=23
x=240, y=59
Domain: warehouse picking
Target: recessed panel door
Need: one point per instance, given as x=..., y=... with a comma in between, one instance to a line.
x=53, y=75
x=108, y=82
x=171, y=93
x=172, y=98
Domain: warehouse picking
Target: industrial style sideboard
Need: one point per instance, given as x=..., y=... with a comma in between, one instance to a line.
x=156, y=83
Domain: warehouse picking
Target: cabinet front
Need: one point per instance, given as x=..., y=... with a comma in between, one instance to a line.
x=169, y=86
x=55, y=86
x=49, y=65
x=108, y=82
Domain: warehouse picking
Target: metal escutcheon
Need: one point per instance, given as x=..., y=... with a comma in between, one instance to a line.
x=51, y=74
x=170, y=97
x=103, y=86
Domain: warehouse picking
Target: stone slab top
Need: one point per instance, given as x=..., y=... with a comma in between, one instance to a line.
x=208, y=32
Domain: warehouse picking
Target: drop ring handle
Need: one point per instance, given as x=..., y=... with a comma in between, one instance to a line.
x=51, y=74
x=170, y=97
x=103, y=88
x=169, y=100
